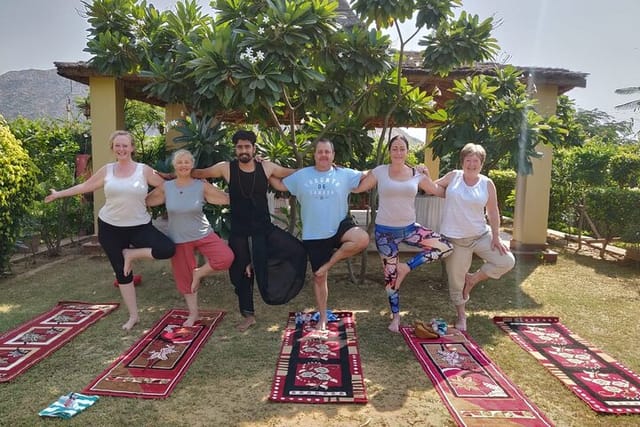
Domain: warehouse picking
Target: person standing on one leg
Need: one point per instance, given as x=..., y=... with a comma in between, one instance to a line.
x=468, y=195
x=123, y=221
x=189, y=228
x=328, y=234
x=396, y=223
x=250, y=217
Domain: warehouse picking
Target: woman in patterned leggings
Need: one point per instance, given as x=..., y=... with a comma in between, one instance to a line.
x=396, y=223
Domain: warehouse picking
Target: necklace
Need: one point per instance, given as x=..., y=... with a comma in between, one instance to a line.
x=182, y=186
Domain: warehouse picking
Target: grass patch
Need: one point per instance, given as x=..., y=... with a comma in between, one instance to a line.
x=229, y=382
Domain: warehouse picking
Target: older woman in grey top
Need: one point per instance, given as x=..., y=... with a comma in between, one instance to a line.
x=190, y=230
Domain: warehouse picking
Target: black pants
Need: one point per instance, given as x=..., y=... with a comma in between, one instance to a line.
x=114, y=239
x=242, y=249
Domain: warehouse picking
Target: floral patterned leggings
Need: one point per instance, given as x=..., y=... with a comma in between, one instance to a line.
x=434, y=247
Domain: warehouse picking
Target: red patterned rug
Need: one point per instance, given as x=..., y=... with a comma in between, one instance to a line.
x=154, y=365
x=313, y=369
x=594, y=376
x=26, y=345
x=474, y=390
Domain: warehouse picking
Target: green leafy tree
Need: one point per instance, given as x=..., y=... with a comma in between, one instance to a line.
x=603, y=127
x=607, y=158
x=145, y=122
x=53, y=146
x=18, y=179
x=204, y=138
x=282, y=63
x=613, y=210
x=496, y=111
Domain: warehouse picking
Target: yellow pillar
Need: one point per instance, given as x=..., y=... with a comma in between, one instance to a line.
x=531, y=212
x=172, y=112
x=107, y=115
x=432, y=164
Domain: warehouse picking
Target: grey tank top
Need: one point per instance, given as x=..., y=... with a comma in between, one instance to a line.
x=184, y=205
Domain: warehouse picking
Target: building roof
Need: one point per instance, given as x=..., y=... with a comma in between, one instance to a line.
x=565, y=80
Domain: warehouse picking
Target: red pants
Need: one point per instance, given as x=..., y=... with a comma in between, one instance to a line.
x=212, y=247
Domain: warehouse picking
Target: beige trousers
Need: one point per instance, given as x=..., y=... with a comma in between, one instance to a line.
x=459, y=262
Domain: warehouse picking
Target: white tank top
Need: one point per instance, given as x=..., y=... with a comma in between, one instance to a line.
x=464, y=208
x=125, y=198
x=397, y=199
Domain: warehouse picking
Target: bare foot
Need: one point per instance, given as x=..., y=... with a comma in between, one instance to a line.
x=127, y=262
x=246, y=323
x=191, y=320
x=403, y=269
x=461, y=324
x=197, y=276
x=394, y=326
x=469, y=282
x=322, y=324
x=130, y=323
x=324, y=269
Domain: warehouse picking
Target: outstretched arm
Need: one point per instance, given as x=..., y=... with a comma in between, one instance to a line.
x=153, y=177
x=156, y=197
x=92, y=184
x=214, y=195
x=277, y=184
x=427, y=184
x=444, y=183
x=493, y=216
x=219, y=170
x=367, y=182
x=274, y=169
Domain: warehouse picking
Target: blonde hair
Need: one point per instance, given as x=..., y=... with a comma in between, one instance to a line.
x=473, y=149
x=118, y=133
x=181, y=153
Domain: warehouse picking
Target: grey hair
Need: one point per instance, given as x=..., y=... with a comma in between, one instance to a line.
x=181, y=153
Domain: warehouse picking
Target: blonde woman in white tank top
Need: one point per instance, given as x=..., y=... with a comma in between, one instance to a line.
x=468, y=195
x=124, y=225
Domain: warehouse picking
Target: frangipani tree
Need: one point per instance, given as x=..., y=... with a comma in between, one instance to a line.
x=497, y=112
x=284, y=63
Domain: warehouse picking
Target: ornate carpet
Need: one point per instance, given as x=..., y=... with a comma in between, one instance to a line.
x=319, y=369
x=595, y=377
x=473, y=389
x=154, y=365
x=29, y=343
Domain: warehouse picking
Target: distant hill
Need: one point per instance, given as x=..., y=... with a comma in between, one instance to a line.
x=35, y=94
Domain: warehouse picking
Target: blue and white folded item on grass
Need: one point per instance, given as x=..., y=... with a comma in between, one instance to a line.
x=330, y=316
x=68, y=405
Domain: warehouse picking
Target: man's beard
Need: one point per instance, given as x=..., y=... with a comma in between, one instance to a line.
x=244, y=158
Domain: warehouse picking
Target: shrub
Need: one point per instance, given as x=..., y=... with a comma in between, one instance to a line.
x=17, y=191
x=613, y=210
x=505, y=181
x=53, y=147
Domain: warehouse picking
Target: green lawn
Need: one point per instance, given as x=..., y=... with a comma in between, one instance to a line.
x=229, y=382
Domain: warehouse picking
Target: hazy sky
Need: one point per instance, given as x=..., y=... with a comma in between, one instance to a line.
x=591, y=36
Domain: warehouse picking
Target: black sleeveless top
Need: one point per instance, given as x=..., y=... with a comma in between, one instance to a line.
x=248, y=194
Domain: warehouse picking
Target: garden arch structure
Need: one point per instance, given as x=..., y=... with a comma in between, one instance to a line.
x=107, y=95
